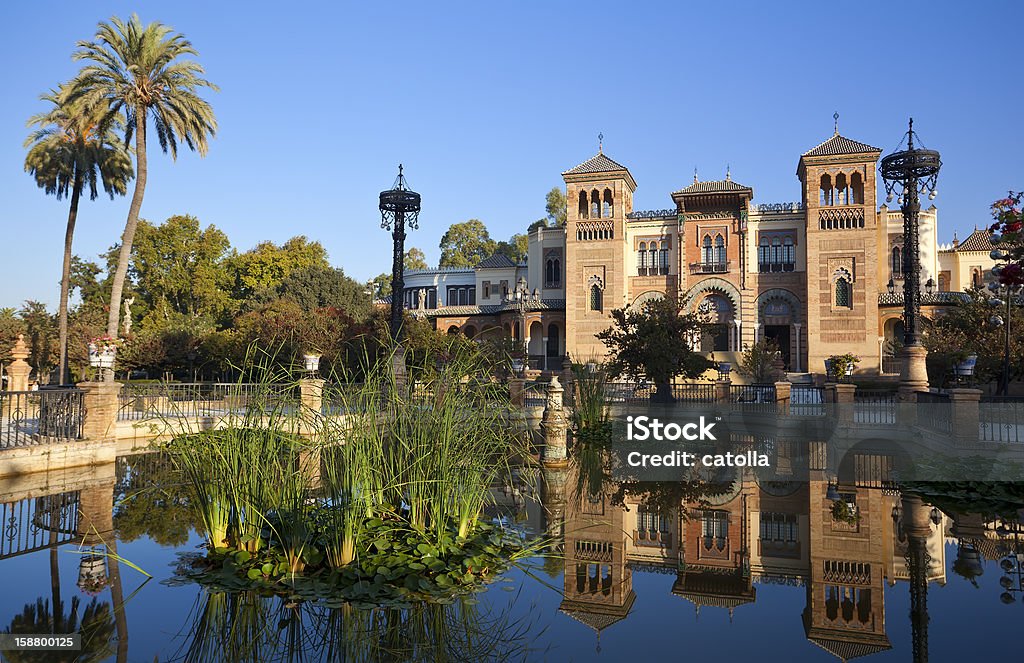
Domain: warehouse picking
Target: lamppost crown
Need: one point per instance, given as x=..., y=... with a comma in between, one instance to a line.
x=915, y=167
x=399, y=199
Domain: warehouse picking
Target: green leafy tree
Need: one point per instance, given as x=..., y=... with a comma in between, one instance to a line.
x=758, y=360
x=11, y=326
x=415, y=259
x=655, y=341
x=267, y=265
x=516, y=248
x=555, y=206
x=381, y=285
x=141, y=71
x=966, y=329
x=466, y=244
x=73, y=149
x=85, y=279
x=319, y=287
x=41, y=338
x=181, y=268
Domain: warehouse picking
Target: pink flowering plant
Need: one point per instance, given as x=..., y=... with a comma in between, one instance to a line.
x=105, y=345
x=1008, y=236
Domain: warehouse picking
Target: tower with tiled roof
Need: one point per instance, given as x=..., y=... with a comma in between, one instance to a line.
x=842, y=237
x=599, y=195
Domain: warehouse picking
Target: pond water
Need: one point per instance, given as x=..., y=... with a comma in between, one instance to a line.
x=748, y=572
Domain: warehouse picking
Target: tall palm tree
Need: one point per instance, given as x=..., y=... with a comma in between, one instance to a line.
x=74, y=147
x=137, y=70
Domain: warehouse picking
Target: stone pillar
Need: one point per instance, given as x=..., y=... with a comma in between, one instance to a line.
x=517, y=391
x=722, y=391
x=964, y=415
x=311, y=392
x=916, y=516
x=757, y=330
x=783, y=392
x=914, y=374
x=309, y=465
x=18, y=370
x=555, y=426
x=841, y=395
x=96, y=514
x=739, y=335
x=101, y=405
x=797, y=367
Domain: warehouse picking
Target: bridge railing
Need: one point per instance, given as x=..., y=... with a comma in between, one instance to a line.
x=1001, y=419
x=199, y=399
x=37, y=523
x=40, y=417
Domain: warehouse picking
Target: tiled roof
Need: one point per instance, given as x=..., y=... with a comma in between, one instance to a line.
x=598, y=164
x=714, y=186
x=495, y=261
x=840, y=145
x=596, y=621
x=494, y=309
x=846, y=650
x=977, y=241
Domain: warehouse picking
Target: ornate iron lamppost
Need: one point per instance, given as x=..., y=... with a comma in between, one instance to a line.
x=908, y=173
x=524, y=300
x=398, y=206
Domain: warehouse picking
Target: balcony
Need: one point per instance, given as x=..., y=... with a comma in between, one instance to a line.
x=652, y=271
x=710, y=267
x=650, y=537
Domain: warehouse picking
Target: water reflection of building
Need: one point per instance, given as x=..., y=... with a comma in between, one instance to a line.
x=719, y=547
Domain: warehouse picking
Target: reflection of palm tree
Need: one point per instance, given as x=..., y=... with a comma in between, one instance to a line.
x=96, y=628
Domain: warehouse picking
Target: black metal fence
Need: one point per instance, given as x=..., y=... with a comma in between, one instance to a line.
x=1001, y=419
x=753, y=396
x=40, y=417
x=38, y=523
x=874, y=406
x=201, y=399
x=806, y=400
x=936, y=419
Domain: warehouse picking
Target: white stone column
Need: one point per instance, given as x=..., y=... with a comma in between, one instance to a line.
x=739, y=336
x=881, y=353
x=544, y=352
x=757, y=331
x=796, y=332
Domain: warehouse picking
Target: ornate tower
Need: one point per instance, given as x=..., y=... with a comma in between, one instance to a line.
x=838, y=178
x=599, y=194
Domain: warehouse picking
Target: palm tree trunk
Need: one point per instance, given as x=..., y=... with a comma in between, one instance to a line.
x=65, y=279
x=123, y=256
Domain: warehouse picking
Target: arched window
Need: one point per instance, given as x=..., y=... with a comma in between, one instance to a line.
x=776, y=254
x=584, y=210
x=857, y=189
x=943, y=283
x=664, y=257
x=595, y=204
x=641, y=259
x=826, y=190
x=652, y=258
x=596, y=298
x=897, y=262
x=608, y=206
x=842, y=190
x=975, y=278
x=788, y=254
x=705, y=254
x=720, y=250
x=763, y=255
x=844, y=296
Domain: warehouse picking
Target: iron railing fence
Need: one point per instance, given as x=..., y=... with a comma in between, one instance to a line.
x=807, y=400
x=201, y=399
x=874, y=406
x=1001, y=419
x=760, y=397
x=40, y=417
x=38, y=523
x=937, y=419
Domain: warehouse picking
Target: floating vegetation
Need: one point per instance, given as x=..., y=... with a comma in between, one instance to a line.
x=379, y=503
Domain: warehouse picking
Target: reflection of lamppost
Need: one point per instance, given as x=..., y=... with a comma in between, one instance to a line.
x=908, y=173
x=1012, y=565
x=1009, y=292
x=192, y=364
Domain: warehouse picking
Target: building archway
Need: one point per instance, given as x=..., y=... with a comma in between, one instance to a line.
x=553, y=349
x=779, y=319
x=535, y=348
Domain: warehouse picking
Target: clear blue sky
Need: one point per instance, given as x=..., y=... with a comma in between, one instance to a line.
x=487, y=103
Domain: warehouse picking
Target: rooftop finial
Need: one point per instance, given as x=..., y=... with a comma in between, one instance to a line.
x=910, y=136
x=695, y=175
x=835, y=116
x=600, y=143
x=728, y=173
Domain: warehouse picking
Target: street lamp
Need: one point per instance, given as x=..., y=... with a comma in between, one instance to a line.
x=398, y=206
x=908, y=173
x=1008, y=292
x=523, y=300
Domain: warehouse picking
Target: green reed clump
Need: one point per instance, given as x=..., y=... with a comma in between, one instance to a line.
x=591, y=412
